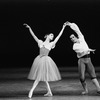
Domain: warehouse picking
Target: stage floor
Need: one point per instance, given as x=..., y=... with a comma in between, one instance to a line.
x=14, y=85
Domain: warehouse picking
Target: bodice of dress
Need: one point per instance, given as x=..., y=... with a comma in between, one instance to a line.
x=44, y=51
x=44, y=47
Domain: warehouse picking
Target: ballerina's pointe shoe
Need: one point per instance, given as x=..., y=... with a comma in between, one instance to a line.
x=48, y=94
x=30, y=94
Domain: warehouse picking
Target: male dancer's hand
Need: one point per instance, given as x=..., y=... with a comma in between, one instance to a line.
x=68, y=23
x=92, y=50
x=72, y=26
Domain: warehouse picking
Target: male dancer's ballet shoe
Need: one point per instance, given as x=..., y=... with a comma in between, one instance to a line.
x=48, y=94
x=84, y=92
x=98, y=92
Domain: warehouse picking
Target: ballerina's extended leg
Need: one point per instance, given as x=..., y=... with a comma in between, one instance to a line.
x=34, y=86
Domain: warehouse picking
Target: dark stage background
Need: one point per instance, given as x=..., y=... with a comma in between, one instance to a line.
x=18, y=48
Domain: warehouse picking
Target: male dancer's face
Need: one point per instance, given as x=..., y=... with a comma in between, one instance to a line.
x=73, y=38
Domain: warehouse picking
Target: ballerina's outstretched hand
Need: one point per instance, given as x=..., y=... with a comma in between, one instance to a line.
x=27, y=26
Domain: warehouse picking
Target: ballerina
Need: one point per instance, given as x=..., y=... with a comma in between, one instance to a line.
x=43, y=67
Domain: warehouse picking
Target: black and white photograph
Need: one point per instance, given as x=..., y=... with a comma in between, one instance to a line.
x=49, y=50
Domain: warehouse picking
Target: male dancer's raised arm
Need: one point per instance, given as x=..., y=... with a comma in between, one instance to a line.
x=75, y=27
x=59, y=35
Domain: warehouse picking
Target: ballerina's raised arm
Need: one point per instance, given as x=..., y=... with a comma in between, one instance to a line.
x=32, y=33
x=74, y=27
x=59, y=35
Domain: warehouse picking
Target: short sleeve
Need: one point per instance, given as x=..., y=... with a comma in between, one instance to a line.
x=52, y=45
x=40, y=42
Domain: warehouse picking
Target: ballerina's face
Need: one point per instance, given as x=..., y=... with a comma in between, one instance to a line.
x=51, y=36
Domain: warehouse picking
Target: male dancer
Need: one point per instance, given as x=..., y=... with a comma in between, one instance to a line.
x=83, y=53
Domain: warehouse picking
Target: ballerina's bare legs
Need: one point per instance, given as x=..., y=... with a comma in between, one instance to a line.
x=49, y=93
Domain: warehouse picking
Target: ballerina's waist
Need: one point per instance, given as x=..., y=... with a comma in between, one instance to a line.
x=42, y=55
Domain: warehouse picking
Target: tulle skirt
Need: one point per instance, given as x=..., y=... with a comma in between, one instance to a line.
x=44, y=69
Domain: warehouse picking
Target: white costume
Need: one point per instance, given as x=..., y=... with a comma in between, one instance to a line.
x=81, y=47
x=43, y=67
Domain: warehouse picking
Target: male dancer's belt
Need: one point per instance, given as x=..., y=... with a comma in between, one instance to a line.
x=86, y=56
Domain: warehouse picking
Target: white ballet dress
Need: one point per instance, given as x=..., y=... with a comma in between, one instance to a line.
x=43, y=67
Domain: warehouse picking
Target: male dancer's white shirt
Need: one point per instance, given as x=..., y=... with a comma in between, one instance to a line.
x=81, y=47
